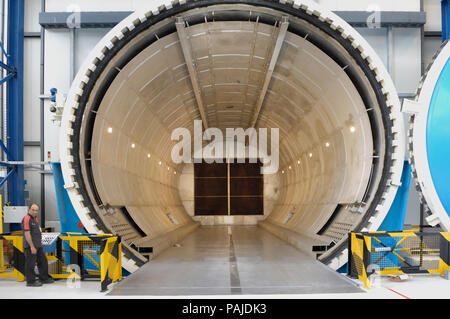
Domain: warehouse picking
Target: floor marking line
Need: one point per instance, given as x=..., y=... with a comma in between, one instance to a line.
x=235, y=281
x=398, y=293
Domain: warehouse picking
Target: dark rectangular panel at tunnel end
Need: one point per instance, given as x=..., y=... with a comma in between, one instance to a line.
x=246, y=189
x=210, y=170
x=234, y=188
x=211, y=206
x=211, y=186
x=210, y=189
x=246, y=186
x=245, y=169
x=246, y=205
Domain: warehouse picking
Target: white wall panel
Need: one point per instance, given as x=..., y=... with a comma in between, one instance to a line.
x=86, y=40
x=31, y=105
x=33, y=177
x=51, y=207
x=31, y=90
x=433, y=10
x=31, y=18
x=363, y=5
x=413, y=206
x=431, y=46
x=407, y=59
x=141, y=4
x=377, y=38
x=57, y=75
x=89, y=5
x=57, y=71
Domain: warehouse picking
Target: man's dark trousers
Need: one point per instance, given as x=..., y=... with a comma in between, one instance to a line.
x=31, y=260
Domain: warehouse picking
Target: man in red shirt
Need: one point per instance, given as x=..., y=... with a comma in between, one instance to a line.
x=32, y=245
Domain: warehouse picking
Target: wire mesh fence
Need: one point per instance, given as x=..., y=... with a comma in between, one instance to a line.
x=419, y=252
x=397, y=253
x=69, y=256
x=7, y=255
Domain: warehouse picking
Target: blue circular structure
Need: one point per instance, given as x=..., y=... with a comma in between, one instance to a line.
x=429, y=138
x=438, y=135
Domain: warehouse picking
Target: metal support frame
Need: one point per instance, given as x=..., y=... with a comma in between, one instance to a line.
x=42, y=115
x=187, y=52
x=388, y=253
x=32, y=35
x=432, y=34
x=105, y=19
x=445, y=5
x=14, y=148
x=73, y=48
x=10, y=70
x=422, y=42
x=271, y=67
x=391, y=50
x=398, y=19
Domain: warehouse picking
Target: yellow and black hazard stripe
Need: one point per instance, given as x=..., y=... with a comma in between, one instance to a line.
x=407, y=233
x=444, y=256
x=359, y=246
x=406, y=269
x=18, y=260
x=111, y=261
x=359, y=257
x=110, y=267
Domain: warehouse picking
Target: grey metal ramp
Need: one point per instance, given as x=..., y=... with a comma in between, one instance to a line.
x=224, y=260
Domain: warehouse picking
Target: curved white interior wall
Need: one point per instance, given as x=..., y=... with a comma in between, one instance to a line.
x=341, y=132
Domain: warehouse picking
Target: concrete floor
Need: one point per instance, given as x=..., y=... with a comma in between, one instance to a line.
x=417, y=287
x=233, y=260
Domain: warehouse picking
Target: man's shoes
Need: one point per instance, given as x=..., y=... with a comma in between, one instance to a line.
x=49, y=280
x=34, y=284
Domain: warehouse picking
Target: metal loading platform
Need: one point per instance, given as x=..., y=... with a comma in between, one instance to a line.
x=233, y=260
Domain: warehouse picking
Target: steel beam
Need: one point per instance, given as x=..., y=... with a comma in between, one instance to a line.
x=42, y=116
x=104, y=19
x=32, y=34
x=32, y=143
x=406, y=95
x=22, y=163
x=2, y=145
x=398, y=19
x=6, y=67
x=61, y=20
x=6, y=78
x=4, y=179
x=273, y=61
x=15, y=100
x=445, y=4
x=432, y=34
x=187, y=52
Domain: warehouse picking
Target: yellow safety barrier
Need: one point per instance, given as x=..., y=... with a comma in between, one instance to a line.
x=15, y=267
x=359, y=257
x=75, y=256
x=107, y=246
x=2, y=259
x=112, y=258
x=408, y=252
